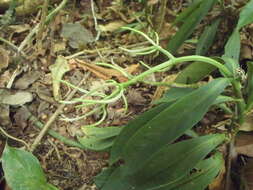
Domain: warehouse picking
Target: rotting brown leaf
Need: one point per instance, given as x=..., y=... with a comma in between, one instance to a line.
x=112, y=26
x=248, y=124
x=27, y=79
x=244, y=143
x=105, y=73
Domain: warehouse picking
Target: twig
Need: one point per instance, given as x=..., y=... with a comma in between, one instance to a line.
x=13, y=138
x=95, y=20
x=54, y=134
x=42, y=24
x=13, y=46
x=53, y=117
x=36, y=28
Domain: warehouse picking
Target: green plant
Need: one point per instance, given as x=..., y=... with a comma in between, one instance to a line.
x=150, y=158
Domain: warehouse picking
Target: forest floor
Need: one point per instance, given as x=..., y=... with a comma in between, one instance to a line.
x=80, y=35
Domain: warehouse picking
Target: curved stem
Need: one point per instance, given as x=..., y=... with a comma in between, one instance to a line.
x=172, y=62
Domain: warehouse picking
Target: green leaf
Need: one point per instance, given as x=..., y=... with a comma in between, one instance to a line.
x=101, y=132
x=131, y=128
x=189, y=25
x=173, y=94
x=201, y=177
x=246, y=16
x=194, y=73
x=93, y=143
x=169, y=124
x=97, y=138
x=170, y=168
x=207, y=38
x=103, y=176
x=174, y=161
x=223, y=99
x=233, y=46
x=187, y=12
x=232, y=64
x=22, y=170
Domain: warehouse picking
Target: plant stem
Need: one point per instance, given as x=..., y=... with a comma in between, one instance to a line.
x=54, y=134
x=174, y=61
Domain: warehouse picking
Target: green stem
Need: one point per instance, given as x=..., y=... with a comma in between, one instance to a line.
x=174, y=61
x=54, y=134
x=240, y=104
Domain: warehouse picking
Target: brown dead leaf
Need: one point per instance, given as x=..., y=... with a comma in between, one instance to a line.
x=19, y=28
x=248, y=124
x=27, y=79
x=4, y=58
x=112, y=26
x=244, y=144
x=104, y=73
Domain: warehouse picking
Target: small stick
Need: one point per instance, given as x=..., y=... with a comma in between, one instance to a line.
x=53, y=133
x=53, y=117
x=13, y=138
x=36, y=28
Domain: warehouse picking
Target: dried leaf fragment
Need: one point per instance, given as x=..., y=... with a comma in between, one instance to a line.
x=58, y=69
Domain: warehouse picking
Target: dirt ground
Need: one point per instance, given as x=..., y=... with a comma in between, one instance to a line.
x=90, y=33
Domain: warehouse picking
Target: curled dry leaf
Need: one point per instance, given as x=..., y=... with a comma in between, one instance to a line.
x=112, y=26
x=105, y=73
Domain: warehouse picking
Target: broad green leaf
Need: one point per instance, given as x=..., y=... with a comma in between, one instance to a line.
x=187, y=12
x=233, y=46
x=189, y=25
x=174, y=94
x=101, y=132
x=174, y=161
x=22, y=170
x=169, y=124
x=207, y=37
x=103, y=176
x=246, y=16
x=131, y=128
x=97, y=138
x=203, y=174
x=194, y=73
x=249, y=87
x=58, y=70
x=232, y=64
